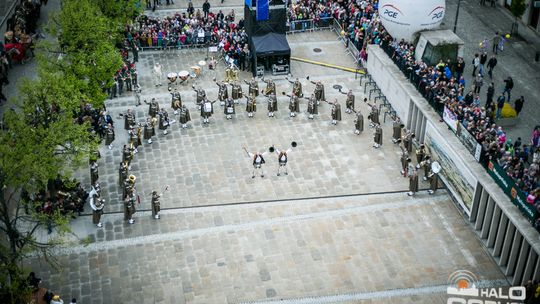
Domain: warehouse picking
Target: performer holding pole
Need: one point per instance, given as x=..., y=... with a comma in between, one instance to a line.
x=335, y=111
x=156, y=205
x=258, y=161
x=319, y=90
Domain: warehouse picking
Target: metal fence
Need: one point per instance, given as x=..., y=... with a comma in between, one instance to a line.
x=299, y=26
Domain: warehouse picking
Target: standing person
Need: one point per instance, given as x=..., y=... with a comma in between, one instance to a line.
x=433, y=181
x=490, y=94
x=496, y=40
x=206, y=8
x=163, y=121
x=253, y=89
x=236, y=91
x=149, y=129
x=258, y=161
x=294, y=105
x=156, y=205
x=109, y=136
x=184, y=117
x=158, y=74
x=127, y=155
x=223, y=93
x=500, y=105
x=270, y=87
x=397, y=126
x=319, y=91
x=129, y=120
x=251, y=105
x=460, y=67
x=377, y=136
x=229, y=110
x=483, y=60
x=138, y=91
x=508, y=86
x=335, y=111
x=129, y=207
x=475, y=63
x=404, y=157
x=359, y=123
x=349, y=102
x=97, y=204
x=412, y=173
x=478, y=83
x=272, y=104
x=176, y=101
x=94, y=175
x=122, y=173
x=374, y=115
x=312, y=107
x=207, y=109
x=297, y=87
x=518, y=104
x=491, y=65
x=282, y=160
x=153, y=108
x=201, y=96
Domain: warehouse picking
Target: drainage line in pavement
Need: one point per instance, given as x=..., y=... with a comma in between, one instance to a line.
x=269, y=201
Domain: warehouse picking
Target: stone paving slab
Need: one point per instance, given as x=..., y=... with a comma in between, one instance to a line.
x=319, y=255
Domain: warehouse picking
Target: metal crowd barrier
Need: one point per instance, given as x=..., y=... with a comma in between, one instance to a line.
x=300, y=26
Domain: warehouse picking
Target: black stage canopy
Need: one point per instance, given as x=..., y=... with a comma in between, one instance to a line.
x=271, y=44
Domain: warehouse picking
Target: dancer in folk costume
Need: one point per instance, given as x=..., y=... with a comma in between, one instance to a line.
x=412, y=173
x=272, y=105
x=349, y=102
x=253, y=89
x=258, y=161
x=236, y=91
x=201, y=96
x=149, y=129
x=283, y=157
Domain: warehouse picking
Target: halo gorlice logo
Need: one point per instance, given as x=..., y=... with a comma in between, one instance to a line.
x=463, y=289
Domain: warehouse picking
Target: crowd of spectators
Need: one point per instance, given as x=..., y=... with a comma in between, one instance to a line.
x=194, y=27
x=18, y=43
x=443, y=85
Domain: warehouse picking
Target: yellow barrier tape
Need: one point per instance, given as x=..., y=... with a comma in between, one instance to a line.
x=328, y=65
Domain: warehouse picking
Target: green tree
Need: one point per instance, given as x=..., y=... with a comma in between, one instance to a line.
x=122, y=11
x=517, y=7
